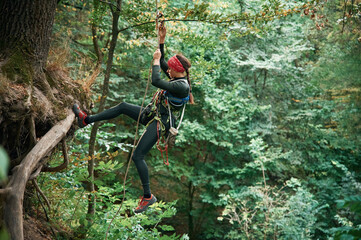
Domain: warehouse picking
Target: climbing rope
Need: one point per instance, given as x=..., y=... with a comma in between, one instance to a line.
x=158, y=14
x=131, y=156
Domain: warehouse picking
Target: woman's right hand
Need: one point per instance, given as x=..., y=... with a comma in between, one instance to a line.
x=157, y=54
x=162, y=32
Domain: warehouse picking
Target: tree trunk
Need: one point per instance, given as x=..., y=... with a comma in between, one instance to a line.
x=113, y=43
x=28, y=106
x=13, y=208
x=190, y=206
x=25, y=29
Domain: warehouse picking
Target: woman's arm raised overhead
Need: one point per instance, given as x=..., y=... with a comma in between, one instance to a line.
x=162, y=34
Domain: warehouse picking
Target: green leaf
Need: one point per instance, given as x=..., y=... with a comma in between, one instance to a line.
x=4, y=163
x=166, y=228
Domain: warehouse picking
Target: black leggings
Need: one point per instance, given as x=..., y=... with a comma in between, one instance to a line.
x=146, y=142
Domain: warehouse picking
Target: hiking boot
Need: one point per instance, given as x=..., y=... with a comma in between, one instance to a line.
x=144, y=203
x=80, y=115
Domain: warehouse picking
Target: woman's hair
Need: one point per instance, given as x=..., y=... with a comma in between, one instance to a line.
x=187, y=65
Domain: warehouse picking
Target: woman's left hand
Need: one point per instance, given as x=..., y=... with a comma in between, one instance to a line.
x=157, y=54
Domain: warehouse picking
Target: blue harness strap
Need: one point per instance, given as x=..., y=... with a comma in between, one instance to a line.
x=175, y=101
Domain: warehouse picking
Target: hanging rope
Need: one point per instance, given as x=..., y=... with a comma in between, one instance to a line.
x=131, y=156
x=137, y=127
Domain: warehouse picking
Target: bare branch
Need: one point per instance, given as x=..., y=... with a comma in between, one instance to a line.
x=111, y=5
x=5, y=190
x=42, y=205
x=184, y=20
x=35, y=183
x=64, y=164
x=36, y=173
x=245, y=18
x=13, y=206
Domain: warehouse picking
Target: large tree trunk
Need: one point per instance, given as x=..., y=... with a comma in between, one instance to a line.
x=25, y=31
x=32, y=97
x=25, y=28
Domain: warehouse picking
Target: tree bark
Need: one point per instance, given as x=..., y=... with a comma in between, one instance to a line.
x=190, y=208
x=113, y=43
x=13, y=208
x=25, y=31
x=25, y=28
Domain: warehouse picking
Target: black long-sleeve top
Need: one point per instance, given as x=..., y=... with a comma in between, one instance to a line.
x=178, y=89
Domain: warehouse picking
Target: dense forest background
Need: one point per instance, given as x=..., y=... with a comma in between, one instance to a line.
x=270, y=150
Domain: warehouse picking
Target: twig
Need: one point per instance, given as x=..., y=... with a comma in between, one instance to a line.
x=74, y=6
x=198, y=20
x=35, y=183
x=181, y=20
x=42, y=205
x=64, y=164
x=111, y=5
x=32, y=128
x=81, y=44
x=211, y=21
x=72, y=216
x=36, y=173
x=344, y=15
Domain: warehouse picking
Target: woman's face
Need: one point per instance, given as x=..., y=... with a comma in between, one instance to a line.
x=170, y=72
x=174, y=74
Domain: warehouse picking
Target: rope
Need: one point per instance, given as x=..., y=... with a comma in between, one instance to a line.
x=131, y=156
x=156, y=21
x=136, y=131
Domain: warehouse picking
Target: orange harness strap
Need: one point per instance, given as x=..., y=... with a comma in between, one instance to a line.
x=159, y=145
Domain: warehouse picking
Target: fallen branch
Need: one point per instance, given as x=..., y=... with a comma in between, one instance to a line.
x=13, y=207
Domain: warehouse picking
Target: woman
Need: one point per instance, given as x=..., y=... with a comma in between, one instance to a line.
x=177, y=69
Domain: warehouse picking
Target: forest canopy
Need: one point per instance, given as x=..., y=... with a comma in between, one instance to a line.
x=269, y=150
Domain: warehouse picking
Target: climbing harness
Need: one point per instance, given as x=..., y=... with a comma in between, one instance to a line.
x=175, y=103
x=173, y=132
x=149, y=112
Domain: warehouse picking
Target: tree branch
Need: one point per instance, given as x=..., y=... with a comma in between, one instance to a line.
x=344, y=16
x=42, y=205
x=183, y=20
x=64, y=164
x=35, y=183
x=5, y=190
x=81, y=44
x=36, y=173
x=111, y=5
x=13, y=207
x=32, y=130
x=209, y=21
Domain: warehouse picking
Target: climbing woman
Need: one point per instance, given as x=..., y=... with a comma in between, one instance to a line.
x=166, y=105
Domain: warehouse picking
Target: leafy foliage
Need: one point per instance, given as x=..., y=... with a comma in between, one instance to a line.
x=267, y=151
x=4, y=164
